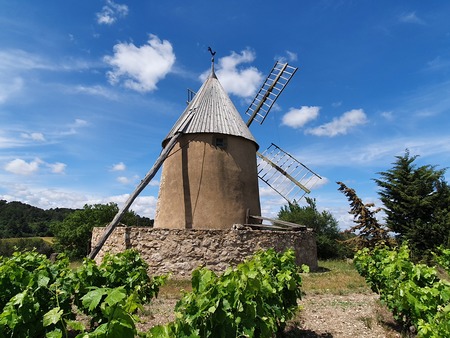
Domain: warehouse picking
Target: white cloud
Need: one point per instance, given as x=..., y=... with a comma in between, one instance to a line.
x=80, y=123
x=297, y=118
x=141, y=67
x=123, y=180
x=119, y=167
x=242, y=82
x=127, y=180
x=109, y=13
x=21, y=167
x=340, y=125
x=411, y=17
x=34, y=136
x=57, y=168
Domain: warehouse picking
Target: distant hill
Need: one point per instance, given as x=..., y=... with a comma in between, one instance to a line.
x=18, y=219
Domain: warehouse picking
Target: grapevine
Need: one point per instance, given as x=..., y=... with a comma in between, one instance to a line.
x=413, y=292
x=37, y=297
x=255, y=299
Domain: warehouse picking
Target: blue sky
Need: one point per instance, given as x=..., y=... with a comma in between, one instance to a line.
x=89, y=89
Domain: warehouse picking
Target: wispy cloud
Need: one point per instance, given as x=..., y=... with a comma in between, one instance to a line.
x=237, y=80
x=33, y=136
x=16, y=65
x=340, y=125
x=9, y=88
x=373, y=154
x=110, y=12
x=438, y=64
x=410, y=17
x=388, y=115
x=298, y=117
x=74, y=127
x=95, y=90
x=288, y=57
x=17, y=59
x=141, y=68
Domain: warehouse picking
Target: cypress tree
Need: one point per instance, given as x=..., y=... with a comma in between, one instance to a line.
x=416, y=202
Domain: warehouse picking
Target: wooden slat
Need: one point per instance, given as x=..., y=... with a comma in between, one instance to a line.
x=277, y=221
x=274, y=227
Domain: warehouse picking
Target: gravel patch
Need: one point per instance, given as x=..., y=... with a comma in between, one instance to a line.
x=323, y=315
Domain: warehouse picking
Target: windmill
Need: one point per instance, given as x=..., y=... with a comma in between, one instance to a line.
x=210, y=173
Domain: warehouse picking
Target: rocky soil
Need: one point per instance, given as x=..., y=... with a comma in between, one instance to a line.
x=323, y=315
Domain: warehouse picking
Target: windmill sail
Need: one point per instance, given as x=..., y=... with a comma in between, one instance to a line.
x=283, y=173
x=276, y=81
x=279, y=170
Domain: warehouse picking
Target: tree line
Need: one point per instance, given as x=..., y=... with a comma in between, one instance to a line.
x=415, y=200
x=18, y=219
x=71, y=228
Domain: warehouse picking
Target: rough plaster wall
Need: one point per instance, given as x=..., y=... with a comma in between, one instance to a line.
x=180, y=251
x=206, y=187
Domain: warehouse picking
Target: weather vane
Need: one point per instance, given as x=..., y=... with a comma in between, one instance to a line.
x=212, y=54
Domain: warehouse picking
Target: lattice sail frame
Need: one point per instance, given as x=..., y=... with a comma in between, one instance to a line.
x=276, y=81
x=283, y=173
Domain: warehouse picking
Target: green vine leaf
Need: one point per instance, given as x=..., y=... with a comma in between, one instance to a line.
x=52, y=317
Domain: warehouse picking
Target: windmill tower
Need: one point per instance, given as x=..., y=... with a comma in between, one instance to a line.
x=212, y=164
x=209, y=179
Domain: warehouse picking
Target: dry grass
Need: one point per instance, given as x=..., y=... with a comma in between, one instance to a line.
x=334, y=277
x=174, y=288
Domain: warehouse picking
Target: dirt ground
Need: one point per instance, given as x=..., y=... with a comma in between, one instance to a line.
x=341, y=316
x=353, y=315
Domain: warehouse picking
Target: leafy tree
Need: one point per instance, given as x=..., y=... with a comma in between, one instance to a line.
x=369, y=231
x=73, y=234
x=326, y=227
x=416, y=201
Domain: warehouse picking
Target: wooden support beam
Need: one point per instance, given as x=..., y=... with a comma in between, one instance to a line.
x=280, y=222
x=152, y=172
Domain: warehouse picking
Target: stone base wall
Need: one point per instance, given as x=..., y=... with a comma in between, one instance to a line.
x=180, y=251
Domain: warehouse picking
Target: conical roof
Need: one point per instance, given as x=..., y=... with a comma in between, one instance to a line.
x=213, y=112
